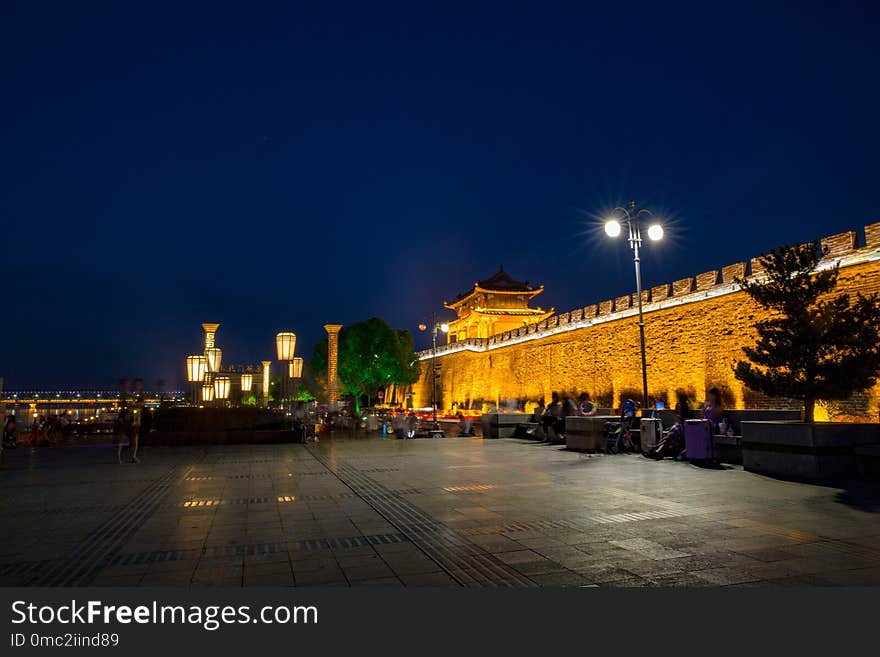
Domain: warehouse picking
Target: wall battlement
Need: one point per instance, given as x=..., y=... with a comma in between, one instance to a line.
x=595, y=347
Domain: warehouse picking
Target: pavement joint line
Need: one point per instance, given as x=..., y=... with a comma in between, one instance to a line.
x=464, y=561
x=83, y=563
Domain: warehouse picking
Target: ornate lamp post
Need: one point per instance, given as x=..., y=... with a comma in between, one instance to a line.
x=630, y=217
x=221, y=388
x=295, y=371
x=435, y=326
x=214, y=357
x=285, y=345
x=207, y=393
x=196, y=368
x=247, y=383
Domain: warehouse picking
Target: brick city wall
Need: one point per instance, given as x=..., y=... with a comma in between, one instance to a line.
x=696, y=328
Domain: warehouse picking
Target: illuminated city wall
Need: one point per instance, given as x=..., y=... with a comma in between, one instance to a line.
x=696, y=328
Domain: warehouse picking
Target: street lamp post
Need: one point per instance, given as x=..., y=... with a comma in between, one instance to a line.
x=196, y=368
x=294, y=370
x=285, y=346
x=630, y=217
x=435, y=326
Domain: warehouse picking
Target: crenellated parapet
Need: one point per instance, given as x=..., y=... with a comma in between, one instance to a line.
x=842, y=248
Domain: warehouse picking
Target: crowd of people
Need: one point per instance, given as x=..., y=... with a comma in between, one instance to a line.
x=550, y=419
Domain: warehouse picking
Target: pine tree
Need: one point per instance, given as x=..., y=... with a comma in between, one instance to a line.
x=811, y=347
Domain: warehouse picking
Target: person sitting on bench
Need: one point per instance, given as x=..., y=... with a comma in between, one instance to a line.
x=586, y=408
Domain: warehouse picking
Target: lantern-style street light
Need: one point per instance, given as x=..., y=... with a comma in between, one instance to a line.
x=630, y=217
x=221, y=388
x=214, y=356
x=295, y=370
x=435, y=326
x=196, y=368
x=207, y=393
x=247, y=382
x=285, y=346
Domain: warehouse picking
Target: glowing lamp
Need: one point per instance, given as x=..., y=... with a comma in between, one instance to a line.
x=207, y=392
x=295, y=368
x=214, y=356
x=655, y=232
x=196, y=368
x=285, y=343
x=444, y=327
x=221, y=387
x=612, y=228
x=423, y=327
x=247, y=382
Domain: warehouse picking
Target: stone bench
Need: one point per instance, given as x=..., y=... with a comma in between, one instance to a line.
x=868, y=461
x=502, y=425
x=587, y=434
x=824, y=451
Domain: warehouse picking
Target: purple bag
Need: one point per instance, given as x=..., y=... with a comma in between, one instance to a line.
x=698, y=440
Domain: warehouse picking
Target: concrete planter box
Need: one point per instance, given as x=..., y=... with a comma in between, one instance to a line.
x=587, y=434
x=824, y=451
x=502, y=425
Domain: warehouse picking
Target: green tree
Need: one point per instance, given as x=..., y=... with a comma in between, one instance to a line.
x=372, y=355
x=812, y=347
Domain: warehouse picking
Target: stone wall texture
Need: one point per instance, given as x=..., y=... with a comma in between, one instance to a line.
x=693, y=341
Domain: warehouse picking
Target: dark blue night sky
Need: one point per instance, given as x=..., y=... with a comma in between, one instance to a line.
x=279, y=166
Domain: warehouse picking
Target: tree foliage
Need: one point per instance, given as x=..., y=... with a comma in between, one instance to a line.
x=372, y=355
x=812, y=347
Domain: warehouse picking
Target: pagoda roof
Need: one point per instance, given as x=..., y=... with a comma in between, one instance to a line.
x=499, y=282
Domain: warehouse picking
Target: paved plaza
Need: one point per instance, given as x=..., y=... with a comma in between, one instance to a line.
x=353, y=511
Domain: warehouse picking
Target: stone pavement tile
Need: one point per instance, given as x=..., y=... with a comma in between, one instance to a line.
x=563, y=578
x=269, y=579
x=267, y=557
x=853, y=577
x=558, y=553
x=537, y=567
x=176, y=565
x=382, y=581
x=540, y=542
x=824, y=565
x=677, y=580
x=167, y=578
x=768, y=554
x=218, y=569
x=601, y=573
x=495, y=543
x=121, y=580
x=267, y=568
x=732, y=575
x=131, y=570
x=648, y=548
x=651, y=567
x=301, y=554
x=207, y=582
x=374, y=570
x=403, y=548
x=325, y=574
x=520, y=556
x=626, y=582
x=798, y=580
x=410, y=564
x=436, y=578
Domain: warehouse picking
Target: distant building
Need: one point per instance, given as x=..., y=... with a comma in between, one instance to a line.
x=494, y=305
